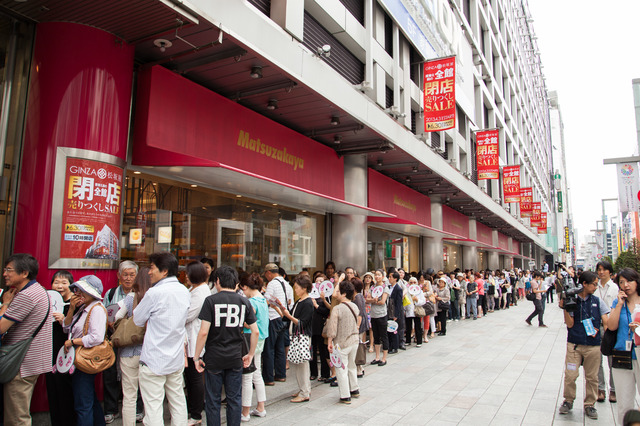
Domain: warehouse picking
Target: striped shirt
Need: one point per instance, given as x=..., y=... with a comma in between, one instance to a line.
x=274, y=291
x=27, y=310
x=164, y=310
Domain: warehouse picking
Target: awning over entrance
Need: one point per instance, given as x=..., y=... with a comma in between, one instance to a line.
x=244, y=183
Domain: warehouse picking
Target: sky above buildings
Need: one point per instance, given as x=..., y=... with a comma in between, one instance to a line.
x=590, y=55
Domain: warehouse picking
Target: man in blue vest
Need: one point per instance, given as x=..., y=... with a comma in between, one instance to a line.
x=583, y=344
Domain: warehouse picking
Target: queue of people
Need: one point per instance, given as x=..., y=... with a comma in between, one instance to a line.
x=221, y=334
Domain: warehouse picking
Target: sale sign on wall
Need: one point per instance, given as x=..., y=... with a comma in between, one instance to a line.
x=542, y=228
x=487, y=154
x=91, y=210
x=86, y=212
x=536, y=214
x=440, y=94
x=526, y=202
x=511, y=184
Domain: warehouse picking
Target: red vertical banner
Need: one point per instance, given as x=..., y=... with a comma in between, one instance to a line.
x=536, y=213
x=542, y=228
x=511, y=184
x=440, y=94
x=487, y=149
x=526, y=202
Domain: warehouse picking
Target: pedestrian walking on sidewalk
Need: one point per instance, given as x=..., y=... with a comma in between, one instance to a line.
x=538, y=291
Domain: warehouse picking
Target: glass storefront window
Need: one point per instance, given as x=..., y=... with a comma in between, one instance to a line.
x=194, y=222
x=452, y=257
x=483, y=260
x=386, y=249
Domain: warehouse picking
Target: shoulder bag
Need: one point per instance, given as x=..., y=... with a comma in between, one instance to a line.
x=429, y=308
x=419, y=311
x=127, y=333
x=621, y=359
x=361, y=352
x=300, y=344
x=11, y=356
x=97, y=358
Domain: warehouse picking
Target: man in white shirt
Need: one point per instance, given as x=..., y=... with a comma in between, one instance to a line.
x=164, y=311
x=274, y=363
x=607, y=291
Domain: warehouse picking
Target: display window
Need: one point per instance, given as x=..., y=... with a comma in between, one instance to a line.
x=194, y=222
x=451, y=257
x=387, y=249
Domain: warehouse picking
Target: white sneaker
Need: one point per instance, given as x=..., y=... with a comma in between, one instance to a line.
x=257, y=413
x=139, y=417
x=109, y=418
x=193, y=422
x=245, y=419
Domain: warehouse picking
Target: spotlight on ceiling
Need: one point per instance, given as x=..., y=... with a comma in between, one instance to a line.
x=335, y=120
x=337, y=139
x=273, y=104
x=162, y=44
x=256, y=72
x=379, y=163
x=415, y=169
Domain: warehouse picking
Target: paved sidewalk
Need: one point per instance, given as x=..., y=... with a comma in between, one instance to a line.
x=493, y=371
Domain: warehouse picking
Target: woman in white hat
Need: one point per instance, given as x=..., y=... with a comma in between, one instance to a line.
x=87, y=296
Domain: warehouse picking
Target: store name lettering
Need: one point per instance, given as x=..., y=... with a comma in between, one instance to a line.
x=269, y=151
x=402, y=203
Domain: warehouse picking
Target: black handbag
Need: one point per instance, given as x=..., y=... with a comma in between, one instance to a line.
x=621, y=360
x=531, y=296
x=245, y=350
x=443, y=306
x=11, y=356
x=608, y=342
x=429, y=308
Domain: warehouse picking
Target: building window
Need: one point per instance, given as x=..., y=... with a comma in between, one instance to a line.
x=356, y=8
x=263, y=6
x=341, y=60
x=192, y=223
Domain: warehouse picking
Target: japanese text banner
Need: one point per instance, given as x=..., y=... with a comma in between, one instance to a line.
x=536, y=213
x=511, y=184
x=526, y=201
x=440, y=94
x=487, y=154
x=91, y=210
x=542, y=227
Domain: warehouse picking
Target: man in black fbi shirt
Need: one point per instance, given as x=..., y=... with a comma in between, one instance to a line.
x=223, y=316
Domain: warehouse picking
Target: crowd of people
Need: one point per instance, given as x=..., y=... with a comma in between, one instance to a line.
x=221, y=335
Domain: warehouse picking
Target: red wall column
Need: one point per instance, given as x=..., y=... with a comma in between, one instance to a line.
x=79, y=97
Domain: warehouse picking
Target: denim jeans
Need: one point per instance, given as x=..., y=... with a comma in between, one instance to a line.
x=213, y=382
x=472, y=306
x=273, y=355
x=85, y=400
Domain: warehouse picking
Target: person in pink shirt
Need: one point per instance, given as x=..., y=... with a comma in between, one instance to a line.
x=481, y=299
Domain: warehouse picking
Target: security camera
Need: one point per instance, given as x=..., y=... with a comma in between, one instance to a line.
x=324, y=51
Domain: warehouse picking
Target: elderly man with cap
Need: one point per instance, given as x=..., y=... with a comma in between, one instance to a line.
x=273, y=356
x=88, y=299
x=25, y=310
